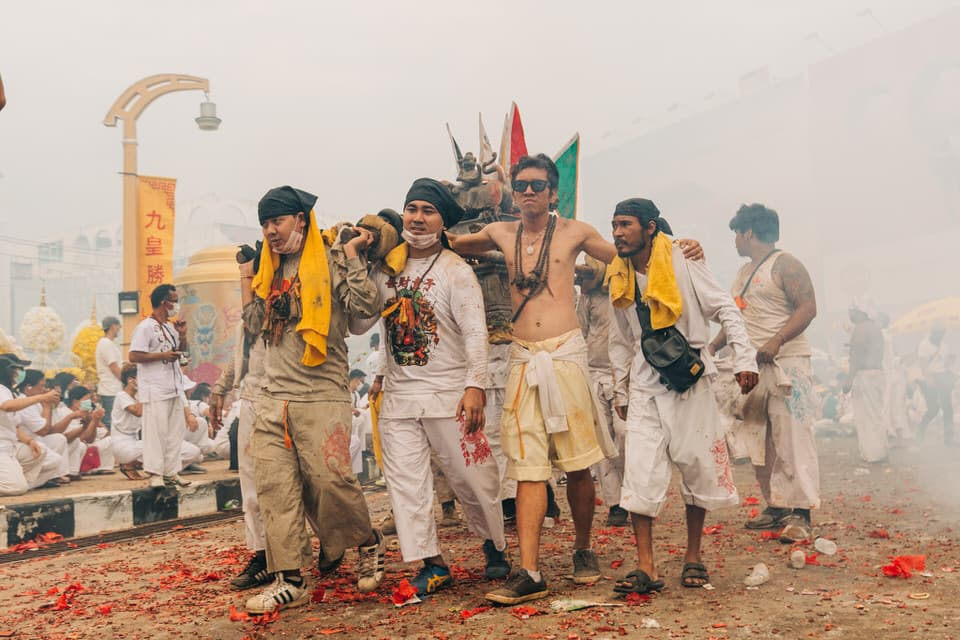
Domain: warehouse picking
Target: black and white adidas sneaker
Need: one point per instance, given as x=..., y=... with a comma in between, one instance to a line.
x=254, y=575
x=280, y=595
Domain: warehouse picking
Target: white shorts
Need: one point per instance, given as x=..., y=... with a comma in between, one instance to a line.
x=684, y=429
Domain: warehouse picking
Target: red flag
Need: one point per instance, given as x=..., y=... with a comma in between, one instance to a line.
x=518, y=143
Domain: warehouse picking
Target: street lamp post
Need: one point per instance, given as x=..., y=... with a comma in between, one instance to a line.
x=128, y=108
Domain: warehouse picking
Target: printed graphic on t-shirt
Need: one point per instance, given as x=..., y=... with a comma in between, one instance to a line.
x=411, y=322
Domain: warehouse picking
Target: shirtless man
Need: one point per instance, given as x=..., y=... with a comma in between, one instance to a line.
x=555, y=421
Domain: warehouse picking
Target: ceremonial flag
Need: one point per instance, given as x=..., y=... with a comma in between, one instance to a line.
x=155, y=217
x=516, y=143
x=568, y=161
x=486, y=149
x=457, y=154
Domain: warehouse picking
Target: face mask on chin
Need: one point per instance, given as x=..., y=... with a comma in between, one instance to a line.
x=174, y=310
x=418, y=241
x=293, y=243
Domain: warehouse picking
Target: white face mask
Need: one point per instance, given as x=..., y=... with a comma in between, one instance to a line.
x=175, y=309
x=418, y=241
x=293, y=243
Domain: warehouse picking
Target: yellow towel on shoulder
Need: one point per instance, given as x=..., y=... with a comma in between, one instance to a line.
x=315, y=290
x=375, y=408
x=396, y=260
x=661, y=294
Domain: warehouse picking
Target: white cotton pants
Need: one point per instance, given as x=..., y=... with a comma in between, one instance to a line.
x=682, y=429
x=104, y=444
x=163, y=439
x=898, y=419
x=221, y=442
x=252, y=520
x=492, y=414
x=127, y=449
x=358, y=438
x=40, y=469
x=57, y=442
x=13, y=482
x=201, y=437
x=76, y=449
x=869, y=414
x=406, y=444
x=609, y=471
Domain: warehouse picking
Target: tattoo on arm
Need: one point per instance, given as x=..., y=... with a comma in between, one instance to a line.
x=796, y=281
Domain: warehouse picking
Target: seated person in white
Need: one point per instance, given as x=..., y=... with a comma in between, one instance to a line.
x=21, y=458
x=36, y=421
x=126, y=420
x=200, y=409
x=78, y=420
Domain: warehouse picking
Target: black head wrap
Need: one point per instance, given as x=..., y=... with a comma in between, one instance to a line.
x=284, y=201
x=645, y=211
x=434, y=192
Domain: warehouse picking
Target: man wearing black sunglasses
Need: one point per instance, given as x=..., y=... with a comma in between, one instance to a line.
x=550, y=417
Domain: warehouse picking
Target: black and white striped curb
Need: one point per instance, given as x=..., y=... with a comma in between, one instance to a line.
x=95, y=513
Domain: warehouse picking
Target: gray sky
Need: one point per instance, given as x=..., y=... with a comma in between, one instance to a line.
x=348, y=100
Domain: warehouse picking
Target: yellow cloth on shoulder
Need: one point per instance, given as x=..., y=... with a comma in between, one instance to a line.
x=661, y=294
x=396, y=260
x=375, y=408
x=316, y=290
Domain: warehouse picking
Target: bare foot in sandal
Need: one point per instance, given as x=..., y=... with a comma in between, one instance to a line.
x=694, y=575
x=637, y=581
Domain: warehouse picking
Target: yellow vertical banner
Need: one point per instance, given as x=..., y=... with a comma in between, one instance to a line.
x=155, y=214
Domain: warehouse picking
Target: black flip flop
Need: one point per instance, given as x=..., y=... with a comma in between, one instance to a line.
x=640, y=583
x=694, y=571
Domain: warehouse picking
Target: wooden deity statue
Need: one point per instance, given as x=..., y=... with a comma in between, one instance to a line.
x=482, y=190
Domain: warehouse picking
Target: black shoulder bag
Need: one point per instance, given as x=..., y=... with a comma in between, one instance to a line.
x=668, y=352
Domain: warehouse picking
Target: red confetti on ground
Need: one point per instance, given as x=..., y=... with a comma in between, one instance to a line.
x=904, y=566
x=712, y=529
x=105, y=609
x=719, y=625
x=404, y=592
x=812, y=559
x=267, y=618
x=770, y=535
x=634, y=599
x=866, y=498
x=878, y=533
x=750, y=500
x=522, y=613
x=469, y=613
x=616, y=564
x=330, y=632
x=238, y=616
x=318, y=593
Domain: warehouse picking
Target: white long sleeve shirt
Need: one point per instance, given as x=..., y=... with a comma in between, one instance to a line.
x=426, y=371
x=704, y=300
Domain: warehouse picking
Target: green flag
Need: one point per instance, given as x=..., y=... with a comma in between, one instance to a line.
x=568, y=161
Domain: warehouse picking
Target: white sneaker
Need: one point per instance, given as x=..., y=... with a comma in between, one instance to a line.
x=280, y=595
x=157, y=482
x=370, y=567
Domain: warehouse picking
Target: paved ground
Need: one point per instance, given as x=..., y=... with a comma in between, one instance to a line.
x=175, y=585
x=216, y=470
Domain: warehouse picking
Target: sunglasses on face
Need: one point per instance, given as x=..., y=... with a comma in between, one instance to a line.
x=537, y=185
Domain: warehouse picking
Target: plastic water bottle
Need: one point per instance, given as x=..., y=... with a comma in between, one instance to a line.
x=758, y=576
x=824, y=546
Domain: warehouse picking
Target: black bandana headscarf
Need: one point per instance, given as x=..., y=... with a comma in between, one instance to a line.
x=434, y=192
x=284, y=201
x=644, y=210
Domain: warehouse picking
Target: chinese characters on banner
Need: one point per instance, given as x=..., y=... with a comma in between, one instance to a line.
x=154, y=236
